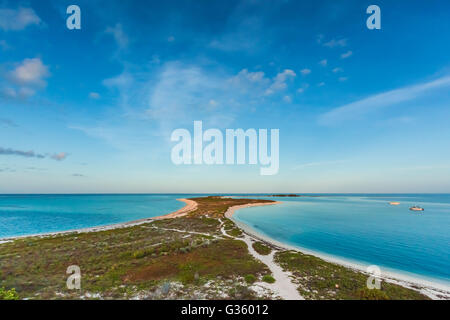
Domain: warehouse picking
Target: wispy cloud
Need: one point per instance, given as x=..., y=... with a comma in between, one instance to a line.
x=19, y=19
x=346, y=54
x=27, y=154
x=335, y=43
x=94, y=95
x=317, y=164
x=279, y=82
x=119, y=35
x=7, y=123
x=382, y=100
x=31, y=154
x=59, y=156
x=79, y=175
x=323, y=62
x=305, y=71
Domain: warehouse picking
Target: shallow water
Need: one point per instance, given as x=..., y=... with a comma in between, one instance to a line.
x=364, y=229
x=33, y=214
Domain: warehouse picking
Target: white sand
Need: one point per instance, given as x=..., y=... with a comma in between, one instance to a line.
x=283, y=286
x=434, y=290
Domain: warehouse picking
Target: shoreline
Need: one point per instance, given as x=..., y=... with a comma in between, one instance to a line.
x=432, y=289
x=190, y=206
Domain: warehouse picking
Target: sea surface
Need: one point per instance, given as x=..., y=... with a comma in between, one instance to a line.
x=358, y=228
x=364, y=229
x=34, y=214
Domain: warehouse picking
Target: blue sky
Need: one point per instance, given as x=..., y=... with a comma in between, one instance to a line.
x=92, y=110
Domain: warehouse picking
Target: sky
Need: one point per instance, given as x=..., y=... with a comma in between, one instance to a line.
x=92, y=110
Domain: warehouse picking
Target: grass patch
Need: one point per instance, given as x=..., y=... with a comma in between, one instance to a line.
x=319, y=279
x=268, y=278
x=249, y=278
x=261, y=248
x=10, y=294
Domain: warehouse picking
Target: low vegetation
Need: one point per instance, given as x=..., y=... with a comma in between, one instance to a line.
x=261, y=248
x=10, y=294
x=182, y=258
x=268, y=278
x=318, y=279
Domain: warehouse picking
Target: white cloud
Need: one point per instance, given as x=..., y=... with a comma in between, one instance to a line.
x=30, y=72
x=119, y=35
x=19, y=19
x=279, y=82
x=245, y=76
x=321, y=84
x=336, y=43
x=305, y=71
x=287, y=99
x=94, y=95
x=184, y=93
x=382, y=100
x=346, y=55
x=28, y=77
x=301, y=90
x=336, y=70
x=60, y=156
x=323, y=62
x=342, y=79
x=121, y=81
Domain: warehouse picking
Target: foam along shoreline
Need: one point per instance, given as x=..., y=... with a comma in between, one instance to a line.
x=190, y=206
x=434, y=290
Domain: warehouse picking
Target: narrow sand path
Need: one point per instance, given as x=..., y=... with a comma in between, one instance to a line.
x=283, y=285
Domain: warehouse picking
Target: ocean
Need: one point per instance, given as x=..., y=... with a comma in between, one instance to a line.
x=358, y=228
x=364, y=229
x=34, y=214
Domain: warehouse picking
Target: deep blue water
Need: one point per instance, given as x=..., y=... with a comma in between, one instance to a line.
x=32, y=214
x=364, y=229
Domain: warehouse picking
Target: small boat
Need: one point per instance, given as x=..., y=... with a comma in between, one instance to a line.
x=394, y=203
x=416, y=208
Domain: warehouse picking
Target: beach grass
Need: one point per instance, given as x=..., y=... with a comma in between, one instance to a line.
x=318, y=279
x=261, y=248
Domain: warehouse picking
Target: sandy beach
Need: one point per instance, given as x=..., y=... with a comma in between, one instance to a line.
x=433, y=290
x=190, y=206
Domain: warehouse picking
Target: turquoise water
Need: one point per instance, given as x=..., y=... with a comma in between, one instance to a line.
x=364, y=229
x=360, y=228
x=32, y=214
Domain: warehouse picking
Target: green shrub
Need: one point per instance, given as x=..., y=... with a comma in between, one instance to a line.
x=8, y=294
x=374, y=294
x=268, y=278
x=261, y=248
x=250, y=278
